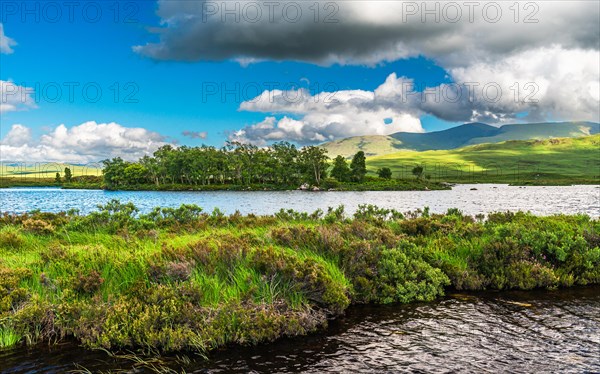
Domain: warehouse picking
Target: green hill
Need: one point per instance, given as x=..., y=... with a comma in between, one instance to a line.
x=456, y=137
x=540, y=131
x=560, y=160
x=447, y=139
x=372, y=145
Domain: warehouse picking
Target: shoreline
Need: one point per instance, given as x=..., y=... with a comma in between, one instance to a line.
x=384, y=185
x=180, y=279
x=402, y=186
x=354, y=317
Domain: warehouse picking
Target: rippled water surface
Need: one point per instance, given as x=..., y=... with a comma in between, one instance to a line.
x=471, y=199
x=522, y=332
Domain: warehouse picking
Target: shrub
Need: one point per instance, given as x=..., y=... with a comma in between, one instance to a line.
x=11, y=293
x=592, y=238
x=403, y=276
x=291, y=215
x=11, y=238
x=177, y=271
x=423, y=226
x=330, y=184
x=368, y=212
x=334, y=214
x=53, y=252
x=384, y=173
x=184, y=215
x=88, y=283
x=501, y=217
x=114, y=216
x=38, y=226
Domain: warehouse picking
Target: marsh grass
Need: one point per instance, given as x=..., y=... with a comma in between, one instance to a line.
x=200, y=281
x=9, y=337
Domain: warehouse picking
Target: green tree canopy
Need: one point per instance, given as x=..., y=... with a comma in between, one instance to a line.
x=358, y=167
x=235, y=163
x=340, y=170
x=68, y=175
x=385, y=173
x=314, y=162
x=417, y=171
x=135, y=174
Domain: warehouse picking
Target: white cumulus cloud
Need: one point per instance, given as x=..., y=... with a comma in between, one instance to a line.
x=88, y=142
x=330, y=115
x=548, y=83
x=5, y=42
x=543, y=84
x=18, y=136
x=14, y=97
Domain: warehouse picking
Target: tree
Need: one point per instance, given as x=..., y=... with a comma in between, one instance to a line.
x=314, y=162
x=135, y=174
x=417, y=171
x=340, y=170
x=164, y=158
x=358, y=167
x=68, y=175
x=285, y=157
x=152, y=167
x=385, y=173
x=236, y=163
x=114, y=171
x=57, y=178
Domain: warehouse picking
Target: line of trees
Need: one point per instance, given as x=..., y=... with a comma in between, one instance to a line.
x=238, y=164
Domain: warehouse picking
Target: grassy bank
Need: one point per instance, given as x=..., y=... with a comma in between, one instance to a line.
x=182, y=279
x=83, y=182
x=370, y=184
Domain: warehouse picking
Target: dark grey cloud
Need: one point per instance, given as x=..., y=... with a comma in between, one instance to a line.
x=366, y=32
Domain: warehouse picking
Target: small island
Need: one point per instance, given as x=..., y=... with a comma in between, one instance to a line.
x=283, y=166
x=237, y=167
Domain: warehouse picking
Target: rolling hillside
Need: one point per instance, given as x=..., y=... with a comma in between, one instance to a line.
x=372, y=145
x=456, y=137
x=560, y=160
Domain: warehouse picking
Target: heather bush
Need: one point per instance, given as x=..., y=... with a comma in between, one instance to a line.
x=38, y=226
x=403, y=276
x=11, y=238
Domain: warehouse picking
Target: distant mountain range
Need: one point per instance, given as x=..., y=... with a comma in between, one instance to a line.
x=456, y=137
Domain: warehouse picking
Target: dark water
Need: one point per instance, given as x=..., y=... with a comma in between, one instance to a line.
x=484, y=199
x=522, y=332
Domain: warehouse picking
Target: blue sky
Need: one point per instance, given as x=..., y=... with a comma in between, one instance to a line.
x=166, y=93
